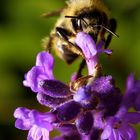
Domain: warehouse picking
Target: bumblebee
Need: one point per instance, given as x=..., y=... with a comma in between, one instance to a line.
x=90, y=16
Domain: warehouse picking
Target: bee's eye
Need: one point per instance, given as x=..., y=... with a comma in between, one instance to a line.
x=78, y=24
x=74, y=24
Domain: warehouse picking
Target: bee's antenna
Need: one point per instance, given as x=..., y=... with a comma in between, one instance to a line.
x=107, y=30
x=71, y=17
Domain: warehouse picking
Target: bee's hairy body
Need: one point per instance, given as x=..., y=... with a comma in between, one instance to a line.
x=79, y=15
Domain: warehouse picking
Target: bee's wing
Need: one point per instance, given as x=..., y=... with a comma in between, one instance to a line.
x=52, y=13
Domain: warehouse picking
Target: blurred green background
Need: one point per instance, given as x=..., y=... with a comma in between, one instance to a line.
x=21, y=31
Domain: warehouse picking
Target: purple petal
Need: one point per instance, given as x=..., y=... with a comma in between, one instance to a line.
x=100, y=45
x=22, y=124
x=132, y=95
x=86, y=43
x=132, y=133
x=123, y=132
x=127, y=132
x=121, y=112
x=107, y=51
x=132, y=117
x=21, y=113
x=115, y=135
x=23, y=120
x=38, y=133
x=91, y=64
x=43, y=119
x=88, y=47
x=106, y=133
x=43, y=70
x=100, y=48
x=55, y=88
x=46, y=61
x=50, y=101
x=130, y=82
x=98, y=120
x=28, y=118
x=32, y=77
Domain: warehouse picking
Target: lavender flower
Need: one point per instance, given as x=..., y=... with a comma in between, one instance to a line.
x=119, y=128
x=90, y=50
x=95, y=109
x=38, y=124
x=132, y=94
x=42, y=70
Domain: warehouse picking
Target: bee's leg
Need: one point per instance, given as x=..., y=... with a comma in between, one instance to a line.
x=71, y=50
x=69, y=54
x=79, y=71
x=65, y=34
x=113, y=26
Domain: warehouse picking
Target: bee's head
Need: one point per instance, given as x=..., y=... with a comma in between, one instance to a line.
x=90, y=22
x=86, y=21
